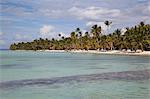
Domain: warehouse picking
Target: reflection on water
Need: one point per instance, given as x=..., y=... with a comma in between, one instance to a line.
x=92, y=79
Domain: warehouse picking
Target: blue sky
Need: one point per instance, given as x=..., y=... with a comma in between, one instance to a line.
x=26, y=20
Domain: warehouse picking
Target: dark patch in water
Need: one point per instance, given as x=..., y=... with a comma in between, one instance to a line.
x=8, y=65
x=23, y=60
x=126, y=75
x=96, y=68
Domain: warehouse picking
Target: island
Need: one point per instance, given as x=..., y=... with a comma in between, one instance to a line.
x=135, y=39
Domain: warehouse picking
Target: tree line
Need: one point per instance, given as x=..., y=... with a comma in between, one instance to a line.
x=137, y=37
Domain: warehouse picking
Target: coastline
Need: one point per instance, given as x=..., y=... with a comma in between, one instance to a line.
x=113, y=52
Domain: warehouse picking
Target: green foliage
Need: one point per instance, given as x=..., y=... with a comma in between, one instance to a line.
x=137, y=37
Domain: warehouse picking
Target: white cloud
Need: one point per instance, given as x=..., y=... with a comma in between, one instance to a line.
x=22, y=36
x=2, y=42
x=51, y=13
x=47, y=31
x=147, y=10
x=18, y=36
x=83, y=31
x=123, y=30
x=17, y=11
x=93, y=13
x=149, y=7
x=103, y=26
x=138, y=10
x=1, y=33
x=64, y=34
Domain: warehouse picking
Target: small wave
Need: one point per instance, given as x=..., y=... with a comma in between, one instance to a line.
x=125, y=75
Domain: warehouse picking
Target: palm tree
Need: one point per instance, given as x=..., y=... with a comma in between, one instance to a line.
x=107, y=23
x=77, y=29
x=142, y=23
x=87, y=34
x=59, y=35
x=96, y=31
x=110, y=41
x=137, y=37
x=63, y=37
x=73, y=35
x=80, y=34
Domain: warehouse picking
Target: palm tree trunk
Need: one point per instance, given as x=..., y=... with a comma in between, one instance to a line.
x=141, y=47
x=111, y=46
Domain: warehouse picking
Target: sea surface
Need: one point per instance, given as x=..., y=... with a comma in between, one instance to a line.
x=64, y=75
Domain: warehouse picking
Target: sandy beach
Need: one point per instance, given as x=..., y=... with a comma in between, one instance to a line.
x=113, y=52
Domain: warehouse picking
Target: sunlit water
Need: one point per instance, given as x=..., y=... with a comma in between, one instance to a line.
x=21, y=65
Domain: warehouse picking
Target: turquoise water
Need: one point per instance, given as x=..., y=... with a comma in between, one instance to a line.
x=21, y=65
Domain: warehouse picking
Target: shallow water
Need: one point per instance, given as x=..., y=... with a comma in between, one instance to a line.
x=22, y=65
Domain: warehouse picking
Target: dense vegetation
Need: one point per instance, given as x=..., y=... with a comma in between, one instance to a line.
x=137, y=37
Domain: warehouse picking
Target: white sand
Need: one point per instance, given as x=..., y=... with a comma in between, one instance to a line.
x=55, y=51
x=113, y=52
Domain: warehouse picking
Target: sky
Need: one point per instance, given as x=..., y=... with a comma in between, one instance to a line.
x=26, y=20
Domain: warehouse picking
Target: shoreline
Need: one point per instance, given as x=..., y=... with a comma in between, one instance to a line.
x=113, y=52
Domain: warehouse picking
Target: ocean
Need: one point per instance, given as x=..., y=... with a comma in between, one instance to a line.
x=64, y=75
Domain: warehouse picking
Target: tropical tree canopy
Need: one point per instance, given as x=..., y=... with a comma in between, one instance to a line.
x=137, y=37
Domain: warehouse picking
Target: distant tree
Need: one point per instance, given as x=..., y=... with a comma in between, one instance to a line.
x=59, y=35
x=136, y=37
x=107, y=23
x=142, y=23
